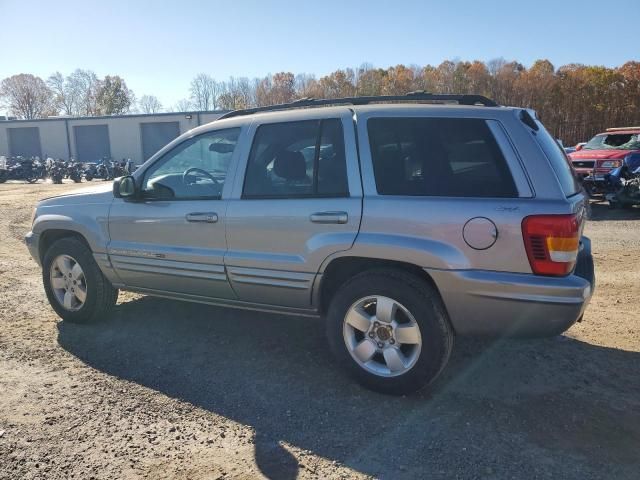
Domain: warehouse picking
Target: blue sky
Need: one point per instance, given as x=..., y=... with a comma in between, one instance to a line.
x=159, y=46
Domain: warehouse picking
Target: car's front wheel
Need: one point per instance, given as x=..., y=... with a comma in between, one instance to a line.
x=76, y=288
x=390, y=331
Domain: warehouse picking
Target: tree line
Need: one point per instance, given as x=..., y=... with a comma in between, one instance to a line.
x=574, y=101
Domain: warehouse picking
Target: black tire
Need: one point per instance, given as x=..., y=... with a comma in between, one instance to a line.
x=101, y=296
x=422, y=301
x=88, y=177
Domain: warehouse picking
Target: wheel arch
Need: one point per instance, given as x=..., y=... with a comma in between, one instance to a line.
x=340, y=269
x=50, y=236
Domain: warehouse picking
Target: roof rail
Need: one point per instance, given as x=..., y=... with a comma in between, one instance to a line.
x=619, y=129
x=417, y=96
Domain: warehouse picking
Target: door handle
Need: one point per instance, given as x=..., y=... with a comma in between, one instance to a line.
x=206, y=217
x=329, y=217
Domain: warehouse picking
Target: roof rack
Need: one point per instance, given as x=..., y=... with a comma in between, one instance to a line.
x=620, y=129
x=417, y=96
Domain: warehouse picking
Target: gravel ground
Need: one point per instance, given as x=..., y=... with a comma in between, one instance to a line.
x=172, y=390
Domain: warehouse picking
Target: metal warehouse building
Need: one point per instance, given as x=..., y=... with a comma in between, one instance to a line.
x=88, y=139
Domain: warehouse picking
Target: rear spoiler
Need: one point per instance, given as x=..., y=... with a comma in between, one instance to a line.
x=528, y=116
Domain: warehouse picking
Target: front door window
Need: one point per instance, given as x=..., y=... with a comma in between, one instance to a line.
x=195, y=169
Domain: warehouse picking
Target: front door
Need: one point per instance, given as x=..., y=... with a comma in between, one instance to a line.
x=298, y=202
x=172, y=239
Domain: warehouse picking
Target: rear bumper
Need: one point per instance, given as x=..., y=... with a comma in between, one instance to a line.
x=514, y=304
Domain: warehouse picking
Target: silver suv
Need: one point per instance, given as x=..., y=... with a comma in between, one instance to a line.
x=401, y=223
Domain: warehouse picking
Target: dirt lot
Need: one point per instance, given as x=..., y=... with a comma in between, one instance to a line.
x=172, y=390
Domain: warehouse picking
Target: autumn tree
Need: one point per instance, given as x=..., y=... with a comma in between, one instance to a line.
x=574, y=101
x=371, y=81
x=398, y=81
x=307, y=86
x=282, y=88
x=113, y=97
x=630, y=72
x=340, y=83
x=27, y=96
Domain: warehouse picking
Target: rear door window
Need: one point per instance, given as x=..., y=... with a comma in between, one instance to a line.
x=451, y=157
x=297, y=159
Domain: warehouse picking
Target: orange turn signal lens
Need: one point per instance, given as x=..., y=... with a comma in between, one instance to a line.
x=563, y=244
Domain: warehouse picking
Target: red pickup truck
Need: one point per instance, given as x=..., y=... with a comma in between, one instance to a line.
x=603, y=153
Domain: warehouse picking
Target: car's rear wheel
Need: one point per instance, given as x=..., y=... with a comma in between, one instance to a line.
x=76, y=288
x=389, y=329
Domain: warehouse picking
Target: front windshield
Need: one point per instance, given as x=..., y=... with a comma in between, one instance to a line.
x=614, y=141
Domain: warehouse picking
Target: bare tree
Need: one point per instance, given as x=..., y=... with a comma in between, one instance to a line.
x=149, y=104
x=183, y=105
x=306, y=85
x=244, y=93
x=27, y=96
x=262, y=87
x=205, y=92
x=83, y=87
x=64, y=97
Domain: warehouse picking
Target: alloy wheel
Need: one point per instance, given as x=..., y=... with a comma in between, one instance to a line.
x=68, y=282
x=382, y=336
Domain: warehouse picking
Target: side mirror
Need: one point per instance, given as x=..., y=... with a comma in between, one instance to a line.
x=579, y=147
x=124, y=187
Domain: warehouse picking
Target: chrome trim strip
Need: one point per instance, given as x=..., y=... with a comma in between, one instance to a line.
x=272, y=278
x=226, y=303
x=170, y=268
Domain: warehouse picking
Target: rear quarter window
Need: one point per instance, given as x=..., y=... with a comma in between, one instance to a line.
x=452, y=157
x=559, y=161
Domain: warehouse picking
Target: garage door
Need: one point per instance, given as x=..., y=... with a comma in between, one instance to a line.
x=156, y=135
x=24, y=142
x=92, y=142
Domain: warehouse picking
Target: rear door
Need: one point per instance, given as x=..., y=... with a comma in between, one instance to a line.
x=297, y=200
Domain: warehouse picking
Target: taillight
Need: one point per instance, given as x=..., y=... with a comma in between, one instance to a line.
x=552, y=243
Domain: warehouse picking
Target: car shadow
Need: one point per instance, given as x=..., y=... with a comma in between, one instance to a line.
x=600, y=211
x=499, y=403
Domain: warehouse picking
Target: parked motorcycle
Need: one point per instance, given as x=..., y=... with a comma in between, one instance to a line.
x=624, y=183
x=73, y=171
x=55, y=170
x=119, y=169
x=89, y=171
x=99, y=170
x=27, y=169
